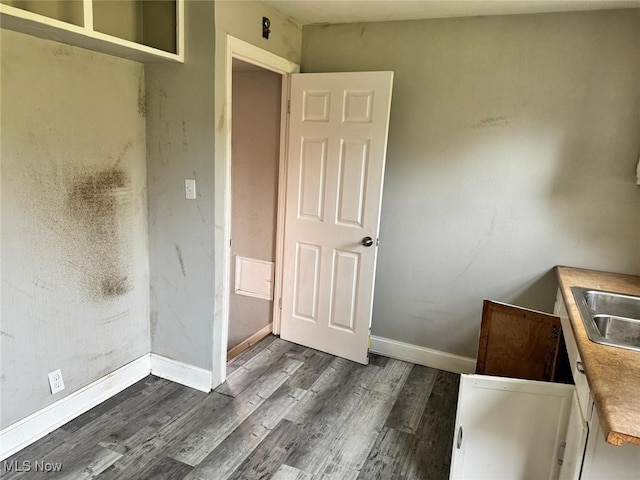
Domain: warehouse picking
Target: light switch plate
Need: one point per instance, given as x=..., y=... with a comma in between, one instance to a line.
x=190, y=189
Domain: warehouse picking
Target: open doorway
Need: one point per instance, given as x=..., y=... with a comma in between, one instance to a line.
x=229, y=48
x=362, y=104
x=255, y=158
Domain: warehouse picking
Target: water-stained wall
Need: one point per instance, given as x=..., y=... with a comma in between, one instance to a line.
x=74, y=239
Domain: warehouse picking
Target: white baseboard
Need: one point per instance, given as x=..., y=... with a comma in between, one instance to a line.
x=182, y=373
x=422, y=356
x=26, y=431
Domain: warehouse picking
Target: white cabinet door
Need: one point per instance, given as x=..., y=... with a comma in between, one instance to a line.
x=603, y=461
x=509, y=428
x=336, y=155
x=575, y=443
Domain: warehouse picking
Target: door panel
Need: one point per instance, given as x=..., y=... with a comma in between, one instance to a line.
x=354, y=163
x=316, y=105
x=312, y=179
x=358, y=106
x=307, y=282
x=344, y=290
x=336, y=154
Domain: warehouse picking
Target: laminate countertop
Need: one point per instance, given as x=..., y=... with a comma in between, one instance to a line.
x=613, y=373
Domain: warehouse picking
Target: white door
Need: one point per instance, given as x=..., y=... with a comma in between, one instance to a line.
x=337, y=144
x=509, y=429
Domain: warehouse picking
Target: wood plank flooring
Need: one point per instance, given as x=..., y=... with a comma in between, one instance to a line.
x=285, y=412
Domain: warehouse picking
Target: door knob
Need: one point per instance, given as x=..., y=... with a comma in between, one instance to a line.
x=367, y=241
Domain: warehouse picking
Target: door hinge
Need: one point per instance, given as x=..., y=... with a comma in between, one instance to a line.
x=288, y=106
x=280, y=303
x=377, y=241
x=555, y=331
x=561, y=450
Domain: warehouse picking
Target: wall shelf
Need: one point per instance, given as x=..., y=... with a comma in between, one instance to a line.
x=147, y=31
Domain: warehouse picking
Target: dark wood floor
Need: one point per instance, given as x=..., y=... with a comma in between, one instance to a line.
x=285, y=412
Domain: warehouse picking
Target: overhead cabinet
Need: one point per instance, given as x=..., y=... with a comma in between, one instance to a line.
x=140, y=30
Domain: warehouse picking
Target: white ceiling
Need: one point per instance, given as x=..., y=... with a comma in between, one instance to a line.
x=348, y=11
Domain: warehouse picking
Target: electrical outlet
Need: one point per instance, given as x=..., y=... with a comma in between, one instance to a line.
x=56, y=382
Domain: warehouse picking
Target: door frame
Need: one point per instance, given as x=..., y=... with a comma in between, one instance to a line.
x=249, y=53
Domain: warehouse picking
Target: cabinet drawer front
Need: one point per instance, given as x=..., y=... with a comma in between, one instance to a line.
x=580, y=379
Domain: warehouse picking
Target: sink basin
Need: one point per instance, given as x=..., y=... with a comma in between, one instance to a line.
x=609, y=318
x=618, y=329
x=612, y=303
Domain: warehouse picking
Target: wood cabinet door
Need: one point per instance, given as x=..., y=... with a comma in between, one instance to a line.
x=518, y=343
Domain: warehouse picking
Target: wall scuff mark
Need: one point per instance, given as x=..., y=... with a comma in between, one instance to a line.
x=488, y=122
x=181, y=260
